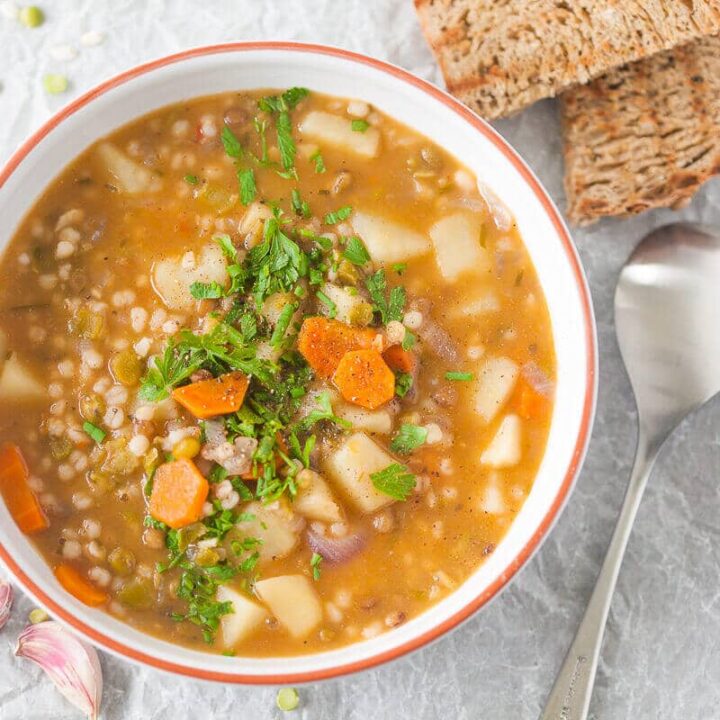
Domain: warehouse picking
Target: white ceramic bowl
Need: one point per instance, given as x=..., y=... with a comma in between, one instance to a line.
x=433, y=113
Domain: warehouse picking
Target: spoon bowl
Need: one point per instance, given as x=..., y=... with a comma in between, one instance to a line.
x=667, y=306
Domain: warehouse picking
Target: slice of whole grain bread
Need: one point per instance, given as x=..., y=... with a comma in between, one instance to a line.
x=644, y=135
x=498, y=56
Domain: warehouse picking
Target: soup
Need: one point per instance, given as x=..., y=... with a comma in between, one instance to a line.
x=275, y=375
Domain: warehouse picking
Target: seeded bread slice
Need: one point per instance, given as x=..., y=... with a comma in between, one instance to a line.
x=645, y=135
x=498, y=56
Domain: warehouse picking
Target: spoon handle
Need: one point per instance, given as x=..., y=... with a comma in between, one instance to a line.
x=570, y=696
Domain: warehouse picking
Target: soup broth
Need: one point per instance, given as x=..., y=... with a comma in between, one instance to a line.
x=275, y=376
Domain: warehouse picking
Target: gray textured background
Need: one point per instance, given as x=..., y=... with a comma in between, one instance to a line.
x=661, y=657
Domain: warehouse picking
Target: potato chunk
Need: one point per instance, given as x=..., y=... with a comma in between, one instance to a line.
x=273, y=526
x=127, y=175
x=171, y=281
x=496, y=381
x=293, y=601
x=388, y=241
x=245, y=618
x=337, y=131
x=504, y=449
x=351, y=465
x=17, y=382
x=373, y=421
x=456, y=239
x=314, y=499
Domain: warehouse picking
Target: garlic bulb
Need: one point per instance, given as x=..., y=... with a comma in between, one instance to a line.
x=6, y=600
x=71, y=664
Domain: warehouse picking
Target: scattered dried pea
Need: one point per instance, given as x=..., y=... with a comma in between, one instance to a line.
x=55, y=84
x=31, y=16
x=38, y=615
x=288, y=699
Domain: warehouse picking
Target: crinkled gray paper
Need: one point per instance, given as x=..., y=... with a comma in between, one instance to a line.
x=661, y=657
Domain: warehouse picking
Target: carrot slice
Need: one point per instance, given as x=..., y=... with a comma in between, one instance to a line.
x=178, y=494
x=529, y=403
x=323, y=343
x=18, y=496
x=399, y=359
x=218, y=396
x=364, y=378
x=78, y=586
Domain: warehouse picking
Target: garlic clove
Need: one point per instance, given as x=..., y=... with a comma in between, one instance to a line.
x=6, y=600
x=70, y=663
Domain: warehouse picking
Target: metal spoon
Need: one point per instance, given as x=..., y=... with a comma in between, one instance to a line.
x=667, y=308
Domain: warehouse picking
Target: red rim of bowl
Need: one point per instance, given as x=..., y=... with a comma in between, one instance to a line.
x=588, y=403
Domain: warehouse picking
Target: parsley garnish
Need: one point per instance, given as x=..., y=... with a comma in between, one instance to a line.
x=299, y=205
x=315, y=562
x=191, y=179
x=282, y=324
x=399, y=268
x=324, y=411
x=356, y=252
x=328, y=303
x=95, y=432
x=176, y=365
x=408, y=340
x=246, y=180
x=460, y=376
x=317, y=159
x=389, y=309
x=403, y=383
x=227, y=246
x=408, y=438
x=333, y=218
x=230, y=142
x=280, y=106
x=395, y=480
x=359, y=125
x=206, y=291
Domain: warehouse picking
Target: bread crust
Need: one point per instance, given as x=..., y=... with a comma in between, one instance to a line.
x=645, y=135
x=499, y=56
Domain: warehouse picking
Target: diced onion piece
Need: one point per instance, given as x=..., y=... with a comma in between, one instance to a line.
x=345, y=303
x=496, y=380
x=127, y=175
x=245, y=618
x=273, y=527
x=351, y=465
x=171, y=281
x=293, y=601
x=388, y=241
x=504, y=449
x=314, y=499
x=374, y=421
x=329, y=129
x=456, y=239
x=17, y=382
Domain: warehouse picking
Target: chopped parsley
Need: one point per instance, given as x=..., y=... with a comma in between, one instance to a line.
x=169, y=370
x=395, y=480
x=317, y=159
x=327, y=302
x=403, y=383
x=333, y=218
x=459, y=376
x=408, y=340
x=356, y=252
x=399, y=268
x=315, y=562
x=95, y=432
x=246, y=180
x=359, y=125
x=323, y=411
x=282, y=324
x=408, y=438
x=300, y=206
x=230, y=142
x=191, y=179
x=280, y=106
x=389, y=308
x=207, y=291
